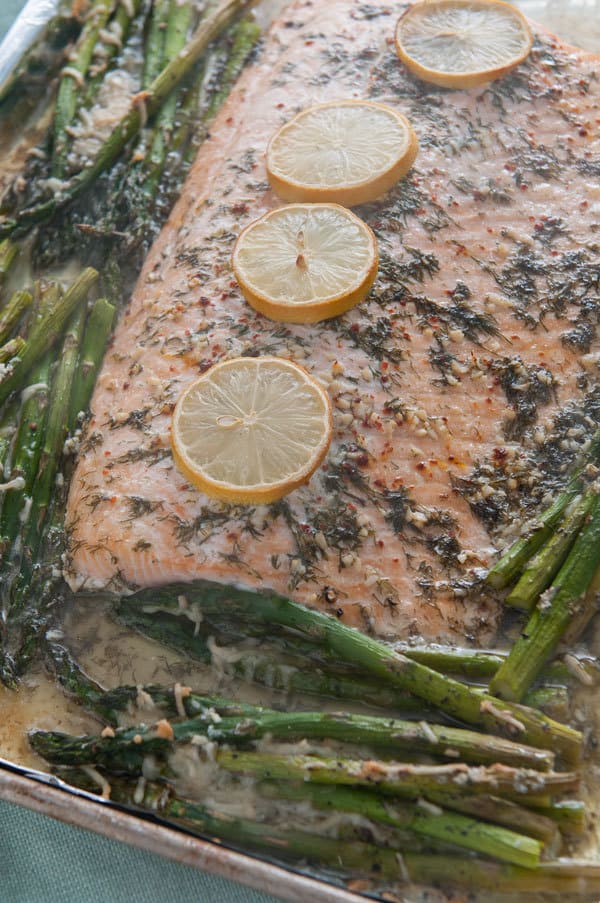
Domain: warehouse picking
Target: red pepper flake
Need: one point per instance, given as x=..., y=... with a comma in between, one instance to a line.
x=107, y=454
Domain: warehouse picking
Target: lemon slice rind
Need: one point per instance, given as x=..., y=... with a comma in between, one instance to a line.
x=339, y=249
x=430, y=27
x=246, y=415
x=345, y=152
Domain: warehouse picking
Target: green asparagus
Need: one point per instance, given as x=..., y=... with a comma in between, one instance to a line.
x=72, y=80
x=12, y=312
x=47, y=331
x=373, y=657
x=145, y=104
x=430, y=822
x=553, y=613
x=514, y=559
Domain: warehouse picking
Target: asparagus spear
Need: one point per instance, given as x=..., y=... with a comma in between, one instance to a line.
x=8, y=254
x=553, y=614
x=569, y=815
x=511, y=815
x=569, y=878
x=581, y=615
x=179, y=18
x=56, y=431
x=155, y=42
x=450, y=696
x=97, y=331
x=119, y=26
x=476, y=664
x=514, y=559
x=241, y=42
x=544, y=565
x=435, y=782
x=93, y=344
x=146, y=104
x=125, y=752
x=447, y=827
x=162, y=800
x=12, y=313
x=8, y=426
x=26, y=453
x=243, y=723
x=11, y=349
x=552, y=701
x=262, y=667
x=46, y=332
x=72, y=79
x=380, y=733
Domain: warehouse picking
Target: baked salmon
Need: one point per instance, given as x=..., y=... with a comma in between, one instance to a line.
x=463, y=387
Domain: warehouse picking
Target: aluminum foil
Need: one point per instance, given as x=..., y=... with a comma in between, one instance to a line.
x=32, y=20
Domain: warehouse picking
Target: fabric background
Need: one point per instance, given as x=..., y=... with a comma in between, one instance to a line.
x=46, y=861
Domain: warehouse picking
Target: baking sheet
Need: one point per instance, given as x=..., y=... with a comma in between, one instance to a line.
x=578, y=22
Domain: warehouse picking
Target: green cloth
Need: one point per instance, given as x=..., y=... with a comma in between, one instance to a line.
x=46, y=861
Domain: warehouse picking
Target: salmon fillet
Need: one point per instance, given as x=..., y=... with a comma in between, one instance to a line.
x=462, y=388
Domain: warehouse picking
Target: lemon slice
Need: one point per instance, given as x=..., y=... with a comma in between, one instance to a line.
x=251, y=429
x=305, y=262
x=347, y=152
x=462, y=43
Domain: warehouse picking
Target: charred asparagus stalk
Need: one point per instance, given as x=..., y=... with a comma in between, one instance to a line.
x=553, y=614
x=346, y=644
